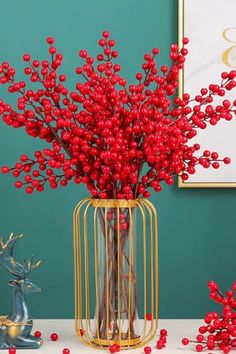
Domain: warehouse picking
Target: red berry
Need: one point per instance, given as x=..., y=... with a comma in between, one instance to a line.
x=185, y=341
x=207, y=153
x=200, y=338
x=146, y=194
x=117, y=67
x=66, y=351
x=199, y=348
x=26, y=57
x=105, y=34
x=37, y=334
x=100, y=57
x=18, y=184
x=214, y=156
x=112, y=348
x=155, y=51
x=12, y=351
x=147, y=350
x=54, y=337
x=52, y=50
x=78, y=70
x=212, y=285
x=139, y=76
x=62, y=77
x=50, y=40
x=36, y=63
x=102, y=42
x=114, y=54
x=15, y=173
x=226, y=160
x=164, y=68
x=216, y=165
x=185, y=40
x=111, y=43
x=28, y=71
x=83, y=54
x=24, y=158
x=160, y=344
x=81, y=331
x=148, y=316
x=29, y=190
x=5, y=169
x=163, y=332
x=107, y=51
x=117, y=347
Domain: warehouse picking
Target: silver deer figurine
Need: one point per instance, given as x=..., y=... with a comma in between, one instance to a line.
x=15, y=329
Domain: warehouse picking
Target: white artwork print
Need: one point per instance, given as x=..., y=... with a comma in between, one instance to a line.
x=210, y=26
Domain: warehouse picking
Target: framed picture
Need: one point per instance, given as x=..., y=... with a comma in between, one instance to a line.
x=211, y=28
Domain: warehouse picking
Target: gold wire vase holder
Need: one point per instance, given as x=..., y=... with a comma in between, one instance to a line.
x=116, y=272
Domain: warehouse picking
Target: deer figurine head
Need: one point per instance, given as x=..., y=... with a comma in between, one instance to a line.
x=15, y=328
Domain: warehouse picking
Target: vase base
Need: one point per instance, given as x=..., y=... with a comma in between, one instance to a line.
x=132, y=342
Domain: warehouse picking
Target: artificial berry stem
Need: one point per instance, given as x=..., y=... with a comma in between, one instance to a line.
x=119, y=139
x=219, y=329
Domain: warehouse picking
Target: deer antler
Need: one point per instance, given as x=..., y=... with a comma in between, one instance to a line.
x=11, y=265
x=9, y=245
x=29, y=265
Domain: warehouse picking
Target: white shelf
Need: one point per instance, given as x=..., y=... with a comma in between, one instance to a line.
x=177, y=329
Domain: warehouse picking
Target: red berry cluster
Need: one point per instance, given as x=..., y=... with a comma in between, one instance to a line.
x=53, y=336
x=105, y=132
x=160, y=344
x=219, y=330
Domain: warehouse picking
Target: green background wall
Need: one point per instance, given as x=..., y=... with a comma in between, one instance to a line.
x=197, y=227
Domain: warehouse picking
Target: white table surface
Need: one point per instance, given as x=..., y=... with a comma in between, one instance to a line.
x=177, y=329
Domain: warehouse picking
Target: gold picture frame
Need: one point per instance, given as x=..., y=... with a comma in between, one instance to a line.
x=181, y=34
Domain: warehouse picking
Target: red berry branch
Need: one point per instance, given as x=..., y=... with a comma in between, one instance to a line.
x=105, y=132
x=219, y=330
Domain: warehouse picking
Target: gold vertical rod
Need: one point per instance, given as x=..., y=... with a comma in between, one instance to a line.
x=77, y=258
x=96, y=275
x=144, y=268
x=101, y=250
x=146, y=207
x=152, y=272
x=86, y=265
x=118, y=270
x=107, y=275
x=130, y=264
x=77, y=255
x=156, y=255
x=152, y=330
x=78, y=268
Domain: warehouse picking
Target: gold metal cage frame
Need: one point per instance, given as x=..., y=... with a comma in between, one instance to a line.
x=86, y=271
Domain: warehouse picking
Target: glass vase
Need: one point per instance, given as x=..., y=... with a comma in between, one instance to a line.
x=116, y=269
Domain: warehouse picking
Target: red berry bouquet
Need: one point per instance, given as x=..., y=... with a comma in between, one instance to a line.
x=105, y=132
x=219, y=329
x=118, y=139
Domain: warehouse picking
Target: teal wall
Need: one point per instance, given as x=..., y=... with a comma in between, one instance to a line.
x=197, y=227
